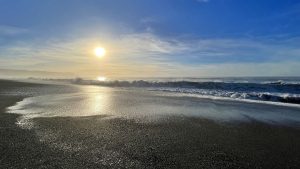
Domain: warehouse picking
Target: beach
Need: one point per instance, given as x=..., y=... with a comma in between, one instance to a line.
x=69, y=126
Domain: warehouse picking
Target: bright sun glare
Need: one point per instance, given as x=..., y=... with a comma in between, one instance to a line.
x=101, y=78
x=99, y=51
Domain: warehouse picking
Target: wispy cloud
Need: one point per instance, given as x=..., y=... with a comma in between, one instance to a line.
x=11, y=30
x=211, y=50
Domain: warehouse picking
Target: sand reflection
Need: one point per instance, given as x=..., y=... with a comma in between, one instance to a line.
x=98, y=100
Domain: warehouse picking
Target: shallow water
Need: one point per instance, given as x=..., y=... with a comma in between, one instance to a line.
x=149, y=106
x=267, y=89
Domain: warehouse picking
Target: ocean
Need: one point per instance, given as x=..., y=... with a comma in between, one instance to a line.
x=268, y=100
x=271, y=89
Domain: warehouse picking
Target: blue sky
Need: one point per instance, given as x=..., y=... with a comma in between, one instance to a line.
x=152, y=38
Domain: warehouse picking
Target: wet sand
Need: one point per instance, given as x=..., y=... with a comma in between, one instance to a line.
x=104, y=142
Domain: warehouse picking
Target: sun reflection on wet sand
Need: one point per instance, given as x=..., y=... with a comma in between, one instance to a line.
x=98, y=100
x=88, y=101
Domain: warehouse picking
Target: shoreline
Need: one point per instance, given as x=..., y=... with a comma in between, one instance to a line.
x=180, y=142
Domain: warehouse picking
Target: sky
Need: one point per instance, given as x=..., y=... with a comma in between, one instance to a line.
x=152, y=38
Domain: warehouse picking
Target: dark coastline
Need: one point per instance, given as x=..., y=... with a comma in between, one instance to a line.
x=119, y=143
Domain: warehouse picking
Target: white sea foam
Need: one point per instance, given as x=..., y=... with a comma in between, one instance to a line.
x=268, y=97
x=233, y=99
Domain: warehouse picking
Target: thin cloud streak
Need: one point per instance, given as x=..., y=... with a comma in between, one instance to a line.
x=6, y=30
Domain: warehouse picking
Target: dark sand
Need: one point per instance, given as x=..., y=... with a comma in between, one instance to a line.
x=182, y=142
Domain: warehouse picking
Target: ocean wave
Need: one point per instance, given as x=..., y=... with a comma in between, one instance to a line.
x=275, y=91
x=194, y=84
x=271, y=97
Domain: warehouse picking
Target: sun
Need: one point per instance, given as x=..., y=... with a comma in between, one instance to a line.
x=99, y=52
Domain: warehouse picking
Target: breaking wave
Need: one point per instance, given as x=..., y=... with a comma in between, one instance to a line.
x=275, y=91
